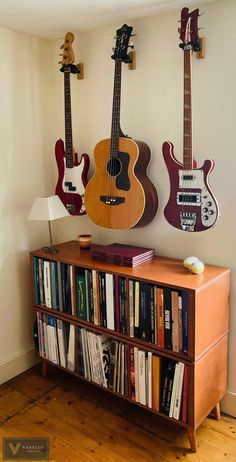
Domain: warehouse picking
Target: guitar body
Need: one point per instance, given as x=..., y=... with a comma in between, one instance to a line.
x=192, y=205
x=71, y=181
x=120, y=195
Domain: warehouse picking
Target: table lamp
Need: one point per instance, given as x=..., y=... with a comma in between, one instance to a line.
x=48, y=208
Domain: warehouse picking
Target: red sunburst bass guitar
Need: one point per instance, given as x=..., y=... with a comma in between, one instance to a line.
x=192, y=205
x=72, y=175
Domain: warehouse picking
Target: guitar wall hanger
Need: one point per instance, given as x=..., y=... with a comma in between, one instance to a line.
x=80, y=67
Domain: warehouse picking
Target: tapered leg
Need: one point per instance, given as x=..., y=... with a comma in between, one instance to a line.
x=192, y=440
x=44, y=368
x=217, y=411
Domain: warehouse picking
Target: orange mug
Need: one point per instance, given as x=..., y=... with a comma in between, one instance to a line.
x=84, y=241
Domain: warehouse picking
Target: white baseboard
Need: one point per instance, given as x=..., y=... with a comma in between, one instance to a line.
x=18, y=364
x=228, y=404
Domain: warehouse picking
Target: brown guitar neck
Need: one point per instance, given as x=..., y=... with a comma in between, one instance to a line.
x=68, y=120
x=115, y=125
x=187, y=142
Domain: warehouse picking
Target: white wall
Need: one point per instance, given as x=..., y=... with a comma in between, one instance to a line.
x=25, y=109
x=152, y=112
x=31, y=115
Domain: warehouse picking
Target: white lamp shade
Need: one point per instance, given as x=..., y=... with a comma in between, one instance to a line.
x=47, y=208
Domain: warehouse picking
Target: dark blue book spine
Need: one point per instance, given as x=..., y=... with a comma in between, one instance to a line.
x=122, y=299
x=185, y=322
x=36, y=280
x=54, y=284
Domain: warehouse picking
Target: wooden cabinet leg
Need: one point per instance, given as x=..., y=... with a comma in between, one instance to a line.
x=44, y=368
x=217, y=411
x=192, y=440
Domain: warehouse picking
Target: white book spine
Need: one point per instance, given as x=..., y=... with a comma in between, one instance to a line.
x=136, y=374
x=142, y=377
x=110, y=301
x=173, y=394
x=149, y=374
x=61, y=343
x=71, y=349
x=178, y=395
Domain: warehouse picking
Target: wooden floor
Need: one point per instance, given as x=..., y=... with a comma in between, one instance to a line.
x=84, y=423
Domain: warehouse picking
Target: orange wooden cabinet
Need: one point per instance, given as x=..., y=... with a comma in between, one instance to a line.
x=208, y=313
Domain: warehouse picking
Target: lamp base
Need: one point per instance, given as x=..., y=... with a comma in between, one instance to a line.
x=50, y=249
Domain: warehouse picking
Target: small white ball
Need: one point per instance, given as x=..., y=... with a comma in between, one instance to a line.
x=189, y=261
x=197, y=267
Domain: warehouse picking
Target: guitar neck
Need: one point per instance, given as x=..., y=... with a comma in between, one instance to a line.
x=187, y=125
x=68, y=120
x=115, y=126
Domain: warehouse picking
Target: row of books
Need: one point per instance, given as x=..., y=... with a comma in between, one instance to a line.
x=53, y=282
x=136, y=308
x=140, y=375
x=56, y=340
x=141, y=310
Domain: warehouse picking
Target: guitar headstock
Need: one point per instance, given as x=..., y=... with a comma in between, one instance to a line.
x=189, y=30
x=68, y=57
x=122, y=43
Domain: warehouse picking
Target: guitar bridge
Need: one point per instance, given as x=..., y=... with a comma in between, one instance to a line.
x=188, y=220
x=70, y=208
x=112, y=200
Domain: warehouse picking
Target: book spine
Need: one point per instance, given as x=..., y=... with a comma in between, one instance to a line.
x=167, y=319
x=136, y=310
x=185, y=322
x=160, y=317
x=131, y=308
x=175, y=320
x=81, y=296
x=47, y=284
x=178, y=395
x=122, y=298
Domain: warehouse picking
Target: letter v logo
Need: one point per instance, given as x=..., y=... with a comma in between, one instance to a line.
x=14, y=449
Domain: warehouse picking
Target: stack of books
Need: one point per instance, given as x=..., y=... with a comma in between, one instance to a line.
x=121, y=254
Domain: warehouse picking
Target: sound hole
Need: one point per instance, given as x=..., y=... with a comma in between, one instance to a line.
x=114, y=166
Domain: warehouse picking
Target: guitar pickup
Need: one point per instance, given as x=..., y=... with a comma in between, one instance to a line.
x=188, y=198
x=70, y=186
x=112, y=200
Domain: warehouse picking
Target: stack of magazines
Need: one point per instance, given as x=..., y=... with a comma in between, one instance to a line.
x=121, y=254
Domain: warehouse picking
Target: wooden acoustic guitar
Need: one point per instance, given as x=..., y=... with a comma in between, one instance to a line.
x=120, y=195
x=192, y=205
x=72, y=175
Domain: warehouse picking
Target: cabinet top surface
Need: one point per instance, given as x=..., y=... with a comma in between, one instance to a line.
x=161, y=270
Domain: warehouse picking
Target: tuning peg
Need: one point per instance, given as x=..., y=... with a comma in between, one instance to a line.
x=133, y=35
x=61, y=54
x=131, y=46
x=59, y=62
x=201, y=28
x=62, y=46
x=202, y=13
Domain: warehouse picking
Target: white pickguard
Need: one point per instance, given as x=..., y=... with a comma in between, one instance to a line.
x=74, y=176
x=194, y=179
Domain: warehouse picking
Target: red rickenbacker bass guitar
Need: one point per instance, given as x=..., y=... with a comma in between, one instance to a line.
x=120, y=195
x=192, y=205
x=72, y=175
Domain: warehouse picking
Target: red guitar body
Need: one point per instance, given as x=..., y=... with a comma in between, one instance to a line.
x=71, y=181
x=191, y=205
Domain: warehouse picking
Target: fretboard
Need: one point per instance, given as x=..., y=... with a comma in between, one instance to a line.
x=115, y=126
x=68, y=121
x=187, y=142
